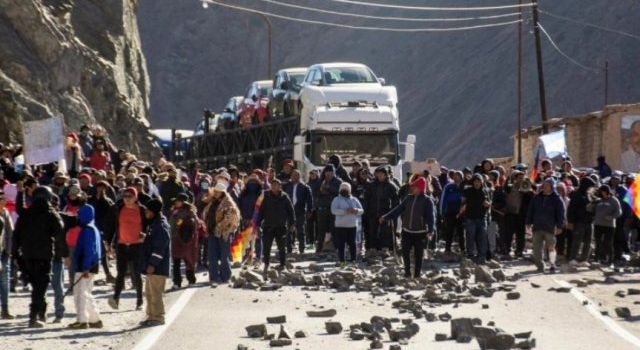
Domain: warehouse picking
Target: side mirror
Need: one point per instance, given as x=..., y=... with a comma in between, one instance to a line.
x=284, y=85
x=254, y=98
x=382, y=81
x=315, y=83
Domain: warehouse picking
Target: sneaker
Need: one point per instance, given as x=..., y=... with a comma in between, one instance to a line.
x=584, y=264
x=36, y=324
x=96, y=325
x=57, y=320
x=78, y=325
x=213, y=284
x=153, y=323
x=139, y=305
x=175, y=287
x=6, y=315
x=574, y=263
x=552, y=268
x=113, y=303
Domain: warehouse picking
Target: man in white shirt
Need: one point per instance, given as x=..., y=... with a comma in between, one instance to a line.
x=302, y=199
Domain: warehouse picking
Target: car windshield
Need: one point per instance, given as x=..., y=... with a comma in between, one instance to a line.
x=265, y=91
x=378, y=148
x=349, y=75
x=296, y=79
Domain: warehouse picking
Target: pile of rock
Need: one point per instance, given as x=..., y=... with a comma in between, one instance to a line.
x=464, y=330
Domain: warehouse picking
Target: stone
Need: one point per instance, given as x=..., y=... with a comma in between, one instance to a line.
x=579, y=283
x=269, y=337
x=485, y=306
x=356, y=334
x=256, y=331
x=242, y=347
x=322, y=313
x=395, y=347
x=376, y=344
x=445, y=317
x=513, y=296
x=461, y=327
x=633, y=291
x=284, y=333
x=620, y=294
x=492, y=264
x=251, y=276
x=270, y=287
x=623, y=312
x=484, y=332
x=499, y=275
x=278, y=343
x=300, y=334
x=441, y=337
x=333, y=327
x=483, y=275
x=277, y=319
x=535, y=285
x=501, y=341
x=523, y=335
x=430, y=317
x=526, y=344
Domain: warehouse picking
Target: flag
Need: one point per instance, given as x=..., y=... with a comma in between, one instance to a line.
x=241, y=242
x=534, y=171
x=554, y=144
x=632, y=197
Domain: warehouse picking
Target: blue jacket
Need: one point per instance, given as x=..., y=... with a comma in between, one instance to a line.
x=157, y=246
x=451, y=200
x=87, y=255
x=546, y=213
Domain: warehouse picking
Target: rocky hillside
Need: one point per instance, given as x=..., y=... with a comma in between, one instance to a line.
x=79, y=59
x=457, y=90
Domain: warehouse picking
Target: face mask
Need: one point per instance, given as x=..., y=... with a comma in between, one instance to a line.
x=204, y=186
x=344, y=193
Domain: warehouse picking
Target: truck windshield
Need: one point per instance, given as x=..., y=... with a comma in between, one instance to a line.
x=378, y=148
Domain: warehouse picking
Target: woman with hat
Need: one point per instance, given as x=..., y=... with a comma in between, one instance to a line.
x=184, y=243
x=222, y=218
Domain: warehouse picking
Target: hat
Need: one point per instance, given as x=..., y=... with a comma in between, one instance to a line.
x=60, y=175
x=223, y=175
x=131, y=190
x=314, y=171
x=155, y=205
x=85, y=176
x=138, y=181
x=102, y=183
x=345, y=185
x=520, y=166
x=254, y=177
x=466, y=170
x=74, y=190
x=182, y=197
x=73, y=135
x=329, y=167
x=289, y=162
x=74, y=182
x=276, y=181
x=220, y=187
x=258, y=172
x=477, y=176
x=382, y=169
x=420, y=183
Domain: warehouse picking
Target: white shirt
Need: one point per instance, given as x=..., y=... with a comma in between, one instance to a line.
x=293, y=194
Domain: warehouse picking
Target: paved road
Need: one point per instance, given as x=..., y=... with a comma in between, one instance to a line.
x=215, y=318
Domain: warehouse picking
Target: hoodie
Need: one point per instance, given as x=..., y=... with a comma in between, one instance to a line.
x=87, y=255
x=340, y=171
x=546, y=212
x=578, y=201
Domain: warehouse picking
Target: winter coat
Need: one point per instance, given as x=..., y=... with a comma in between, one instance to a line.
x=169, y=190
x=579, y=199
x=276, y=211
x=248, y=203
x=546, y=212
x=39, y=233
x=380, y=198
x=606, y=211
x=474, y=199
x=87, y=255
x=339, y=207
x=418, y=213
x=184, y=226
x=304, y=200
x=451, y=199
x=227, y=217
x=156, y=248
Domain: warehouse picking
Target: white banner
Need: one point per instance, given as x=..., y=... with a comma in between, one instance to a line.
x=43, y=141
x=554, y=144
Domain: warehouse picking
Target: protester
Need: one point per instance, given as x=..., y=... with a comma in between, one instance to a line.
x=302, y=201
x=476, y=202
x=347, y=211
x=450, y=205
x=546, y=219
x=580, y=221
x=276, y=216
x=6, y=234
x=606, y=210
x=329, y=189
x=154, y=262
x=381, y=196
x=184, y=242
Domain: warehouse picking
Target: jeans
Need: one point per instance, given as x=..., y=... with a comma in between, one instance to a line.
x=604, y=243
x=189, y=271
x=345, y=236
x=300, y=233
x=513, y=224
x=581, y=238
x=417, y=242
x=477, y=236
x=128, y=257
x=5, y=274
x=453, y=226
x=219, y=267
x=269, y=234
x=39, y=277
x=57, y=283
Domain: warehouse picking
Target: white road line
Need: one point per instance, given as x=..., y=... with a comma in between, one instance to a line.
x=150, y=339
x=595, y=312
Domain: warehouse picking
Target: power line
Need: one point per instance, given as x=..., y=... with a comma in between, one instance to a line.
x=339, y=25
x=591, y=25
x=555, y=46
x=316, y=9
x=423, y=8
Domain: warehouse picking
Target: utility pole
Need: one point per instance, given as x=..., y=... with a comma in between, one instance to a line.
x=269, y=40
x=606, y=83
x=543, y=100
x=519, y=80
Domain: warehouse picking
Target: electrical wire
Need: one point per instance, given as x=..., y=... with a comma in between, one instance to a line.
x=590, y=25
x=316, y=9
x=339, y=25
x=555, y=46
x=423, y=8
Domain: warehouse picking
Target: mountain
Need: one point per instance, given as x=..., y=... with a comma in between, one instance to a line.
x=457, y=90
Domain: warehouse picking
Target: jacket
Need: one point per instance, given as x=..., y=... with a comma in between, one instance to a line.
x=339, y=207
x=276, y=211
x=451, y=199
x=418, y=214
x=6, y=232
x=184, y=227
x=227, y=217
x=170, y=189
x=156, y=247
x=39, y=233
x=87, y=255
x=579, y=199
x=546, y=212
x=606, y=211
x=380, y=198
x=474, y=202
x=304, y=198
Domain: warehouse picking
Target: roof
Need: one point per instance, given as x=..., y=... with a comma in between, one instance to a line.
x=339, y=64
x=294, y=70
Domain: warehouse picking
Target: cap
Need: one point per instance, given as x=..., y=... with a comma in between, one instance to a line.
x=220, y=187
x=154, y=205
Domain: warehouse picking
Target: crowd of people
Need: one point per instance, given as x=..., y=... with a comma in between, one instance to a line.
x=157, y=220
